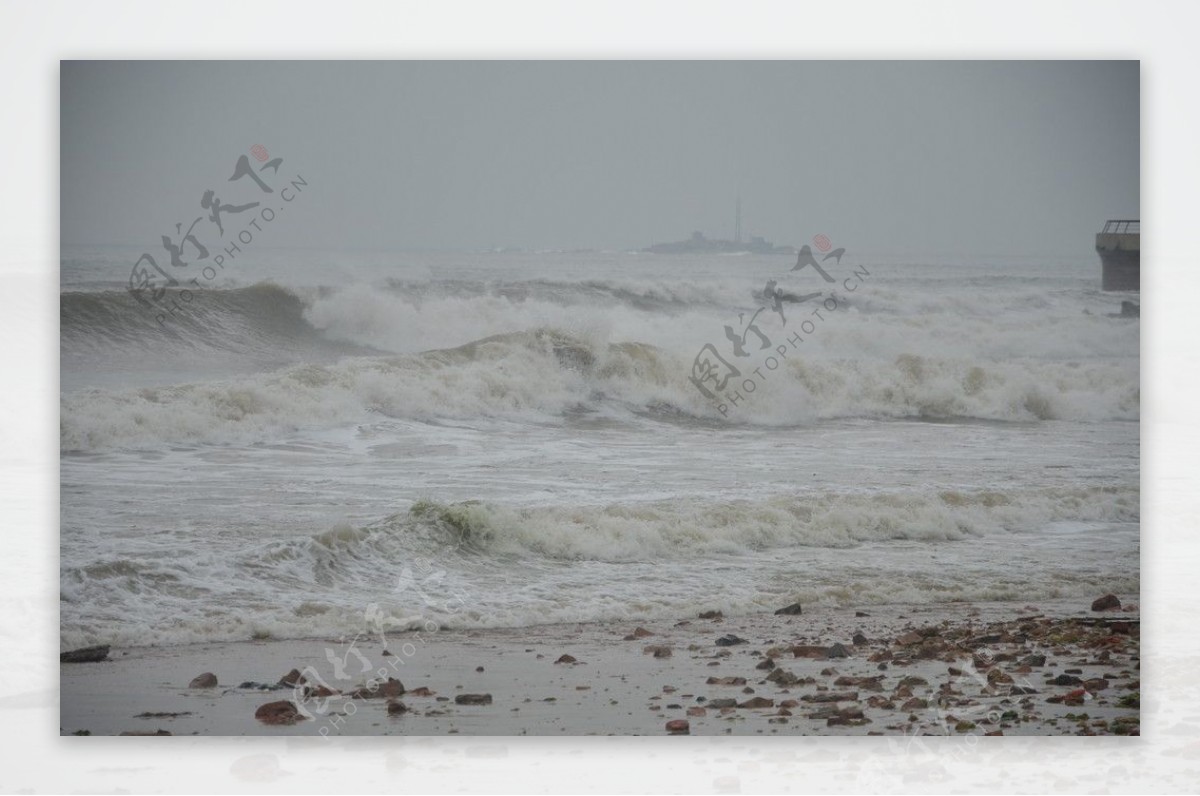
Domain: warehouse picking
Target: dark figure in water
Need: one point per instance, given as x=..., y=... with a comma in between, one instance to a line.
x=776, y=297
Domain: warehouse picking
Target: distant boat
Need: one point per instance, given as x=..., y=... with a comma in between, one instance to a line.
x=698, y=244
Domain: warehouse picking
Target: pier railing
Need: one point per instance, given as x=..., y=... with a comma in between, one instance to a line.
x=1122, y=227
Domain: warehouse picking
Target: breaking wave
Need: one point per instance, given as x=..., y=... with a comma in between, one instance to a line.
x=548, y=374
x=474, y=564
x=109, y=333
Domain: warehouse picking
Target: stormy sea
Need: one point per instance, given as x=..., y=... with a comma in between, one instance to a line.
x=317, y=442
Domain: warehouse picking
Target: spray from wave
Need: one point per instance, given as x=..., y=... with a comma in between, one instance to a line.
x=546, y=374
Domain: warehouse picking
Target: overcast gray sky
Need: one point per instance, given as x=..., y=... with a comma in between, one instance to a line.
x=908, y=157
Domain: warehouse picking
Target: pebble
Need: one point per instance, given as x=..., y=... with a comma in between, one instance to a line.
x=206, y=680
x=678, y=727
x=282, y=712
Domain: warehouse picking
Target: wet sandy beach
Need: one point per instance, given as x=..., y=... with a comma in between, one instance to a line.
x=995, y=668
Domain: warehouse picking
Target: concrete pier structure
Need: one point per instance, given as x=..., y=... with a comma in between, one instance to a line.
x=1119, y=247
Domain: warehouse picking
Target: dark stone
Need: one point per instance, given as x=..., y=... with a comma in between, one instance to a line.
x=1122, y=628
x=1066, y=679
x=1108, y=602
x=262, y=686
x=387, y=690
x=1033, y=660
x=1075, y=698
x=850, y=717
x=292, y=678
x=730, y=640
x=206, y=680
x=837, y=651
x=473, y=699
x=678, y=727
x=865, y=683
x=566, y=659
x=766, y=664
x=758, y=702
x=162, y=715
x=861, y=614
x=712, y=615
x=832, y=696
x=783, y=677
x=722, y=703
x=999, y=676
x=396, y=708
x=791, y=610
x=85, y=655
x=282, y=712
x=859, y=640
x=991, y=638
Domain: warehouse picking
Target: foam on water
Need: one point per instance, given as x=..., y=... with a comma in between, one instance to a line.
x=324, y=447
x=545, y=373
x=475, y=564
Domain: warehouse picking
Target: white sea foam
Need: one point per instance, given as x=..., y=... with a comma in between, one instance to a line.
x=545, y=373
x=476, y=564
x=521, y=436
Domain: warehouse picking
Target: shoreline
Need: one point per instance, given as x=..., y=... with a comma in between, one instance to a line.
x=946, y=669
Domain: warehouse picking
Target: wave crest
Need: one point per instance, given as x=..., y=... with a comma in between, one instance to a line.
x=548, y=374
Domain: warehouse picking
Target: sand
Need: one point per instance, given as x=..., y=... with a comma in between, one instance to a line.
x=920, y=671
